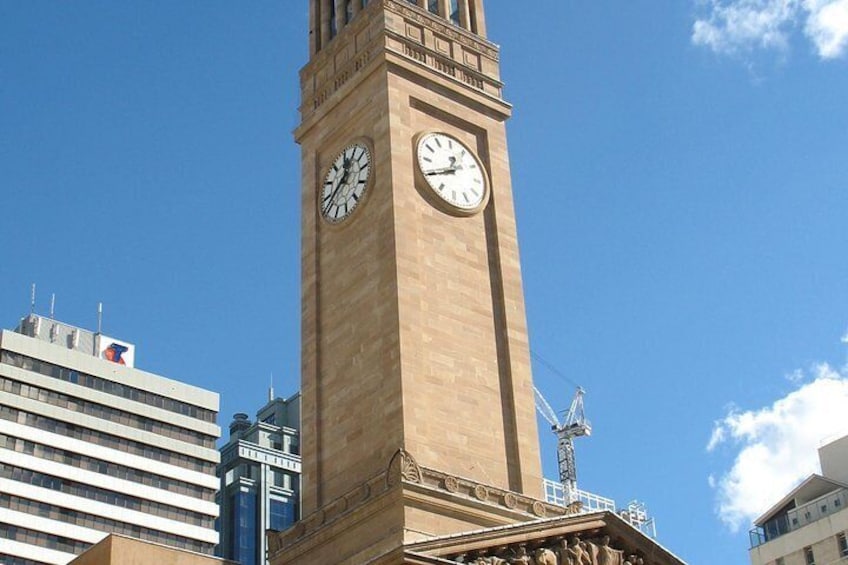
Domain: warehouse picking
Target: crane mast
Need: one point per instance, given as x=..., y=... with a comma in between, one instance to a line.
x=575, y=425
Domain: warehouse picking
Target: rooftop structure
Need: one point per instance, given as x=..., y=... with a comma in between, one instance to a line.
x=809, y=525
x=260, y=479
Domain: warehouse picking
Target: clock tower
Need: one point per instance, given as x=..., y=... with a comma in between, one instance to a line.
x=418, y=416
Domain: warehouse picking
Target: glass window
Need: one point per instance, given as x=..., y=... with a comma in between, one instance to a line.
x=333, y=30
x=244, y=528
x=282, y=514
x=843, y=544
x=433, y=6
x=809, y=558
x=454, y=11
x=348, y=11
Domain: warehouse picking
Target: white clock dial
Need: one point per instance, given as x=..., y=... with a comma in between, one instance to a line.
x=345, y=183
x=452, y=170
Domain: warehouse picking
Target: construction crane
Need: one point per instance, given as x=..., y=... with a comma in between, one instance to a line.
x=575, y=425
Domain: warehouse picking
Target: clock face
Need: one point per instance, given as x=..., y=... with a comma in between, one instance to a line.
x=345, y=183
x=452, y=170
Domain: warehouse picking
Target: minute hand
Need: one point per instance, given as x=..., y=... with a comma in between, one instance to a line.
x=444, y=171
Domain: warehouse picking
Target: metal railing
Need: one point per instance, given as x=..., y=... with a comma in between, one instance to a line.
x=797, y=518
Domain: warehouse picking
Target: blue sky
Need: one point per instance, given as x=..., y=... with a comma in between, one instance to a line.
x=679, y=172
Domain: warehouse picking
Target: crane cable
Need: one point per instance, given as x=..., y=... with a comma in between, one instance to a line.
x=550, y=367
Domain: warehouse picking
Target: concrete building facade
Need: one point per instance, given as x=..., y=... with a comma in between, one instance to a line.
x=90, y=445
x=259, y=480
x=809, y=526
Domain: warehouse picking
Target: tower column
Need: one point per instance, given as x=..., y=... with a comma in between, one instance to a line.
x=464, y=15
x=314, y=28
x=341, y=14
x=325, y=21
x=478, y=17
x=444, y=8
x=357, y=6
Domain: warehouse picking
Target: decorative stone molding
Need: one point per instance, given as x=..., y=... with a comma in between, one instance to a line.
x=489, y=494
x=438, y=24
x=403, y=466
x=560, y=551
x=420, y=37
x=403, y=469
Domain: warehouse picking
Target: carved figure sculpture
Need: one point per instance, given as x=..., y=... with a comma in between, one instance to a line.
x=545, y=557
x=521, y=557
x=576, y=552
x=607, y=555
x=634, y=560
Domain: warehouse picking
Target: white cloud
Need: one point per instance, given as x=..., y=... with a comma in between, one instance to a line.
x=777, y=445
x=741, y=26
x=827, y=26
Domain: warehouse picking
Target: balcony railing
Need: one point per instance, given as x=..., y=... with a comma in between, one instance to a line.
x=799, y=517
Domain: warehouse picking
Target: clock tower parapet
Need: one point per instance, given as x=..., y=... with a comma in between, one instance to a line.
x=409, y=35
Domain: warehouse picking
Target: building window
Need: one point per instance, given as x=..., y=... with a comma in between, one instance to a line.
x=454, y=11
x=244, y=529
x=282, y=514
x=433, y=6
x=842, y=543
x=333, y=29
x=780, y=561
x=809, y=558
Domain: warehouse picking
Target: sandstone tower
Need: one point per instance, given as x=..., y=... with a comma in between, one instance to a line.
x=418, y=418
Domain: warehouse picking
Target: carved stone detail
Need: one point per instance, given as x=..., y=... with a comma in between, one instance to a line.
x=439, y=25
x=451, y=484
x=403, y=466
x=539, y=509
x=481, y=492
x=510, y=500
x=559, y=551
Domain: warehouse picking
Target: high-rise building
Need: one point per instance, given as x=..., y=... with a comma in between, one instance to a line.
x=260, y=479
x=419, y=436
x=808, y=526
x=90, y=445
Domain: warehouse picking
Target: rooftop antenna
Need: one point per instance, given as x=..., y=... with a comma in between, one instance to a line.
x=32, y=300
x=271, y=389
x=99, y=317
x=52, y=306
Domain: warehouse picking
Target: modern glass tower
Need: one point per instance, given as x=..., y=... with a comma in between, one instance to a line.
x=90, y=445
x=260, y=479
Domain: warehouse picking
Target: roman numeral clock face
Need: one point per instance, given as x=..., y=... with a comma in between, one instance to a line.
x=453, y=172
x=345, y=183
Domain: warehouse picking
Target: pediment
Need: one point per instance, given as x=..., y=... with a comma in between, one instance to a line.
x=591, y=539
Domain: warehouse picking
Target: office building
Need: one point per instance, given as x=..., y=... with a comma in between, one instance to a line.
x=260, y=479
x=90, y=445
x=809, y=525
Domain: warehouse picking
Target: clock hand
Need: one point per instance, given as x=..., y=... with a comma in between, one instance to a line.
x=339, y=184
x=445, y=171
